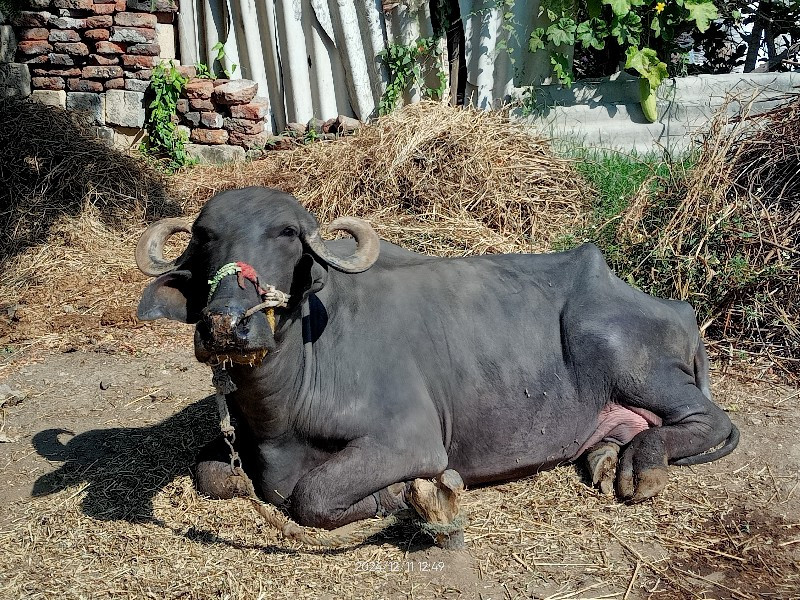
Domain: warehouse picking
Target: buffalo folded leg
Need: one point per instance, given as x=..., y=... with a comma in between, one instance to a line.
x=213, y=474
x=360, y=482
x=601, y=460
x=692, y=425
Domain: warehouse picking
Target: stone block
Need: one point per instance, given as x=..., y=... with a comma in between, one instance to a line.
x=8, y=44
x=128, y=137
x=125, y=108
x=255, y=110
x=34, y=33
x=144, y=49
x=215, y=154
x=96, y=35
x=101, y=72
x=109, y=48
x=212, y=120
x=89, y=103
x=48, y=83
x=15, y=80
x=239, y=91
x=244, y=126
x=133, y=35
x=133, y=19
x=182, y=105
x=75, y=84
x=66, y=22
x=63, y=35
x=192, y=118
x=117, y=83
x=71, y=48
x=201, y=105
x=137, y=85
x=50, y=97
x=105, y=134
x=209, y=136
x=74, y=4
x=157, y=6
x=165, y=36
x=249, y=141
x=139, y=62
x=34, y=47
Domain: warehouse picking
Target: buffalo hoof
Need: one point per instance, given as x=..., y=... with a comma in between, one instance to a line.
x=602, y=463
x=216, y=480
x=437, y=503
x=642, y=469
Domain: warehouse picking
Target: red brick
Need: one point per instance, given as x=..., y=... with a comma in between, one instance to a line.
x=47, y=83
x=67, y=23
x=75, y=4
x=209, y=136
x=201, y=104
x=219, y=82
x=84, y=85
x=120, y=5
x=36, y=60
x=239, y=91
x=34, y=47
x=27, y=18
x=115, y=84
x=109, y=48
x=249, y=141
x=244, y=126
x=96, y=35
x=132, y=19
x=35, y=33
x=61, y=59
x=200, y=89
x=64, y=35
x=104, y=9
x=142, y=74
x=98, y=21
x=255, y=110
x=101, y=59
x=139, y=62
x=95, y=72
x=73, y=49
x=189, y=71
x=105, y=1
x=74, y=72
x=144, y=49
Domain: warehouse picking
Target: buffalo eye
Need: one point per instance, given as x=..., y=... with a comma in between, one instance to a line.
x=289, y=232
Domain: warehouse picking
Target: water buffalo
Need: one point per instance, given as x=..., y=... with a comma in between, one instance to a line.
x=386, y=365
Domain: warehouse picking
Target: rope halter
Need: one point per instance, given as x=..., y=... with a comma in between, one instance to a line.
x=271, y=297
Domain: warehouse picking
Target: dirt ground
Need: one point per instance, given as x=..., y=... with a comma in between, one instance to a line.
x=98, y=502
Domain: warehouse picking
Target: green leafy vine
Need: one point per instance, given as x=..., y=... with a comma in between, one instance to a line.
x=164, y=139
x=405, y=66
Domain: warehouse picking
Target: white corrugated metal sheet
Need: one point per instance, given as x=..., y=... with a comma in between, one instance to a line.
x=320, y=58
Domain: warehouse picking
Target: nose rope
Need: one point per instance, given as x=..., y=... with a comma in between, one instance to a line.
x=271, y=297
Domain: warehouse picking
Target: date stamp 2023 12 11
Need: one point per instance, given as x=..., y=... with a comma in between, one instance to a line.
x=399, y=566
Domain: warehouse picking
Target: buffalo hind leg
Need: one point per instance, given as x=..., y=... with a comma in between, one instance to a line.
x=601, y=461
x=691, y=426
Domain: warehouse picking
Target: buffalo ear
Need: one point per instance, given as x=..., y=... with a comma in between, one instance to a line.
x=309, y=277
x=168, y=297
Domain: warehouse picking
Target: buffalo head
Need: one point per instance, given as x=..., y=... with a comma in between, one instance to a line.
x=244, y=243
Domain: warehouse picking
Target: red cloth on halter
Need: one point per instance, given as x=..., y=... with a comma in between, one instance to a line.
x=249, y=273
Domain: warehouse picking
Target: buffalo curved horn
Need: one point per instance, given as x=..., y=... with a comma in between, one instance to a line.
x=150, y=249
x=367, y=248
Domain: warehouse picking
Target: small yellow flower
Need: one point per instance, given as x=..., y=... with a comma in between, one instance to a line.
x=660, y=6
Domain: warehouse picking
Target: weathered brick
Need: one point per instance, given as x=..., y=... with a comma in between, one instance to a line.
x=137, y=85
x=188, y=71
x=244, y=126
x=133, y=35
x=117, y=83
x=47, y=83
x=38, y=4
x=39, y=59
x=64, y=60
x=66, y=22
x=96, y=35
x=34, y=33
x=28, y=18
x=212, y=120
x=34, y=47
x=74, y=4
x=198, y=88
x=74, y=72
x=192, y=118
x=125, y=108
x=209, y=136
x=109, y=48
x=144, y=49
x=182, y=105
x=84, y=85
x=139, y=62
x=104, y=9
x=165, y=6
x=141, y=74
x=255, y=110
x=247, y=141
x=101, y=72
x=64, y=35
x=120, y=5
x=132, y=19
x=103, y=59
x=201, y=104
x=239, y=91
x=73, y=49
x=98, y=21
x=104, y=1
x=215, y=154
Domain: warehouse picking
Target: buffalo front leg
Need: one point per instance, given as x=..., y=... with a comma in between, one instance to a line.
x=365, y=479
x=214, y=476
